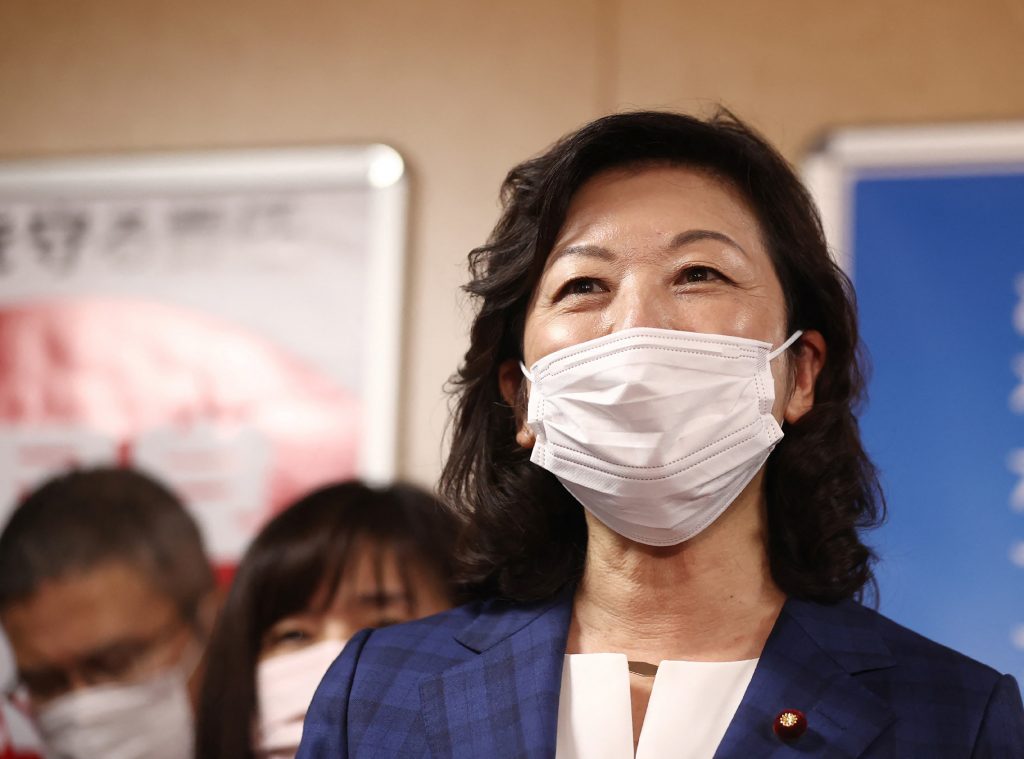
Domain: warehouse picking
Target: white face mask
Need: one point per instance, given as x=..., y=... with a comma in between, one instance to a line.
x=285, y=686
x=655, y=431
x=151, y=719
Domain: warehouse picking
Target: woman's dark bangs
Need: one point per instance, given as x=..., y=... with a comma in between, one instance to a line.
x=387, y=547
x=346, y=545
x=407, y=558
x=290, y=576
x=367, y=526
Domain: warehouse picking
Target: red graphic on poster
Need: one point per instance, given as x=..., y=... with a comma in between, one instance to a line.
x=18, y=739
x=237, y=425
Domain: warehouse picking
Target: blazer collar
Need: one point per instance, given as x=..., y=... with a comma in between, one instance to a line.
x=809, y=663
x=498, y=621
x=503, y=700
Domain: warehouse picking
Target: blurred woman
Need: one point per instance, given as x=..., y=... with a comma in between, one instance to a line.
x=341, y=559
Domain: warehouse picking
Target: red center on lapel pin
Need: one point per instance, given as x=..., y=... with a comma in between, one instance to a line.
x=790, y=724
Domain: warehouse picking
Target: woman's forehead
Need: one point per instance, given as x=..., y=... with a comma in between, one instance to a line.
x=645, y=204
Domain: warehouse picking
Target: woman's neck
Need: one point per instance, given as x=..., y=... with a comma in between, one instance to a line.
x=711, y=598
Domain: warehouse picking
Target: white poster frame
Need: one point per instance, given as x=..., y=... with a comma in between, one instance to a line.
x=377, y=169
x=849, y=154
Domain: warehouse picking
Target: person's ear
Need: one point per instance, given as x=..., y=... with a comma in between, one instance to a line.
x=510, y=383
x=808, y=358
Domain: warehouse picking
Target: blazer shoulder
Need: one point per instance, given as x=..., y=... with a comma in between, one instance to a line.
x=969, y=698
x=862, y=640
x=427, y=641
x=921, y=654
x=444, y=639
x=944, y=702
x=323, y=732
x=378, y=673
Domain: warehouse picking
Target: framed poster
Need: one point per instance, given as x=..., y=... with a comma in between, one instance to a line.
x=929, y=224
x=227, y=321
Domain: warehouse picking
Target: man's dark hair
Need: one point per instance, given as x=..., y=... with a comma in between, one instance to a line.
x=83, y=519
x=526, y=535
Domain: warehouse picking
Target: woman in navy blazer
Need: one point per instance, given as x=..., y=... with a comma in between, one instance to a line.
x=623, y=250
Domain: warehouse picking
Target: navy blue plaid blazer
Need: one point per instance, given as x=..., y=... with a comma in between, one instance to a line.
x=482, y=682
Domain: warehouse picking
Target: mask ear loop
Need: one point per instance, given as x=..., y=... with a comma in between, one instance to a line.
x=526, y=372
x=782, y=348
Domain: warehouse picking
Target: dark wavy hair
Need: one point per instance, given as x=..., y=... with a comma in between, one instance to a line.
x=306, y=549
x=525, y=535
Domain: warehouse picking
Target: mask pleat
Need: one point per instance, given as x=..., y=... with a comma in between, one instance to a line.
x=651, y=433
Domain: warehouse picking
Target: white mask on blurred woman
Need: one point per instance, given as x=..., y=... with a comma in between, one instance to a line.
x=655, y=431
x=150, y=719
x=285, y=685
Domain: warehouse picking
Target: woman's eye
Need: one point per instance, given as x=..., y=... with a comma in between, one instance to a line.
x=696, y=274
x=289, y=635
x=579, y=286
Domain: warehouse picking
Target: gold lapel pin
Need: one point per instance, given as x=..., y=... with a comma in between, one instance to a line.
x=790, y=724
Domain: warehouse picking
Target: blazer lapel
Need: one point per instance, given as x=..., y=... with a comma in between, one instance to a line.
x=809, y=663
x=503, y=700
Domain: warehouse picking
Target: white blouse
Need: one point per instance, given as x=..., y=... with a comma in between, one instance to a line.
x=691, y=706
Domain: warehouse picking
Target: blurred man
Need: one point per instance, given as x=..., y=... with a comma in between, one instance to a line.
x=107, y=597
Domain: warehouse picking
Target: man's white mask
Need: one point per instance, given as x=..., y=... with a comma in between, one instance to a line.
x=150, y=719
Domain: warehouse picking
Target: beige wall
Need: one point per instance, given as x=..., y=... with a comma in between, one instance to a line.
x=464, y=89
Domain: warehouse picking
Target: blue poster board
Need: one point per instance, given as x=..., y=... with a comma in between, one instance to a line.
x=937, y=257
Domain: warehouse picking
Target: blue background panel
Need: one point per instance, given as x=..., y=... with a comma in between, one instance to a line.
x=935, y=262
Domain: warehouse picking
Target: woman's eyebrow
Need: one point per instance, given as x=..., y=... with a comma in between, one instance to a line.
x=680, y=240
x=590, y=251
x=695, y=235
